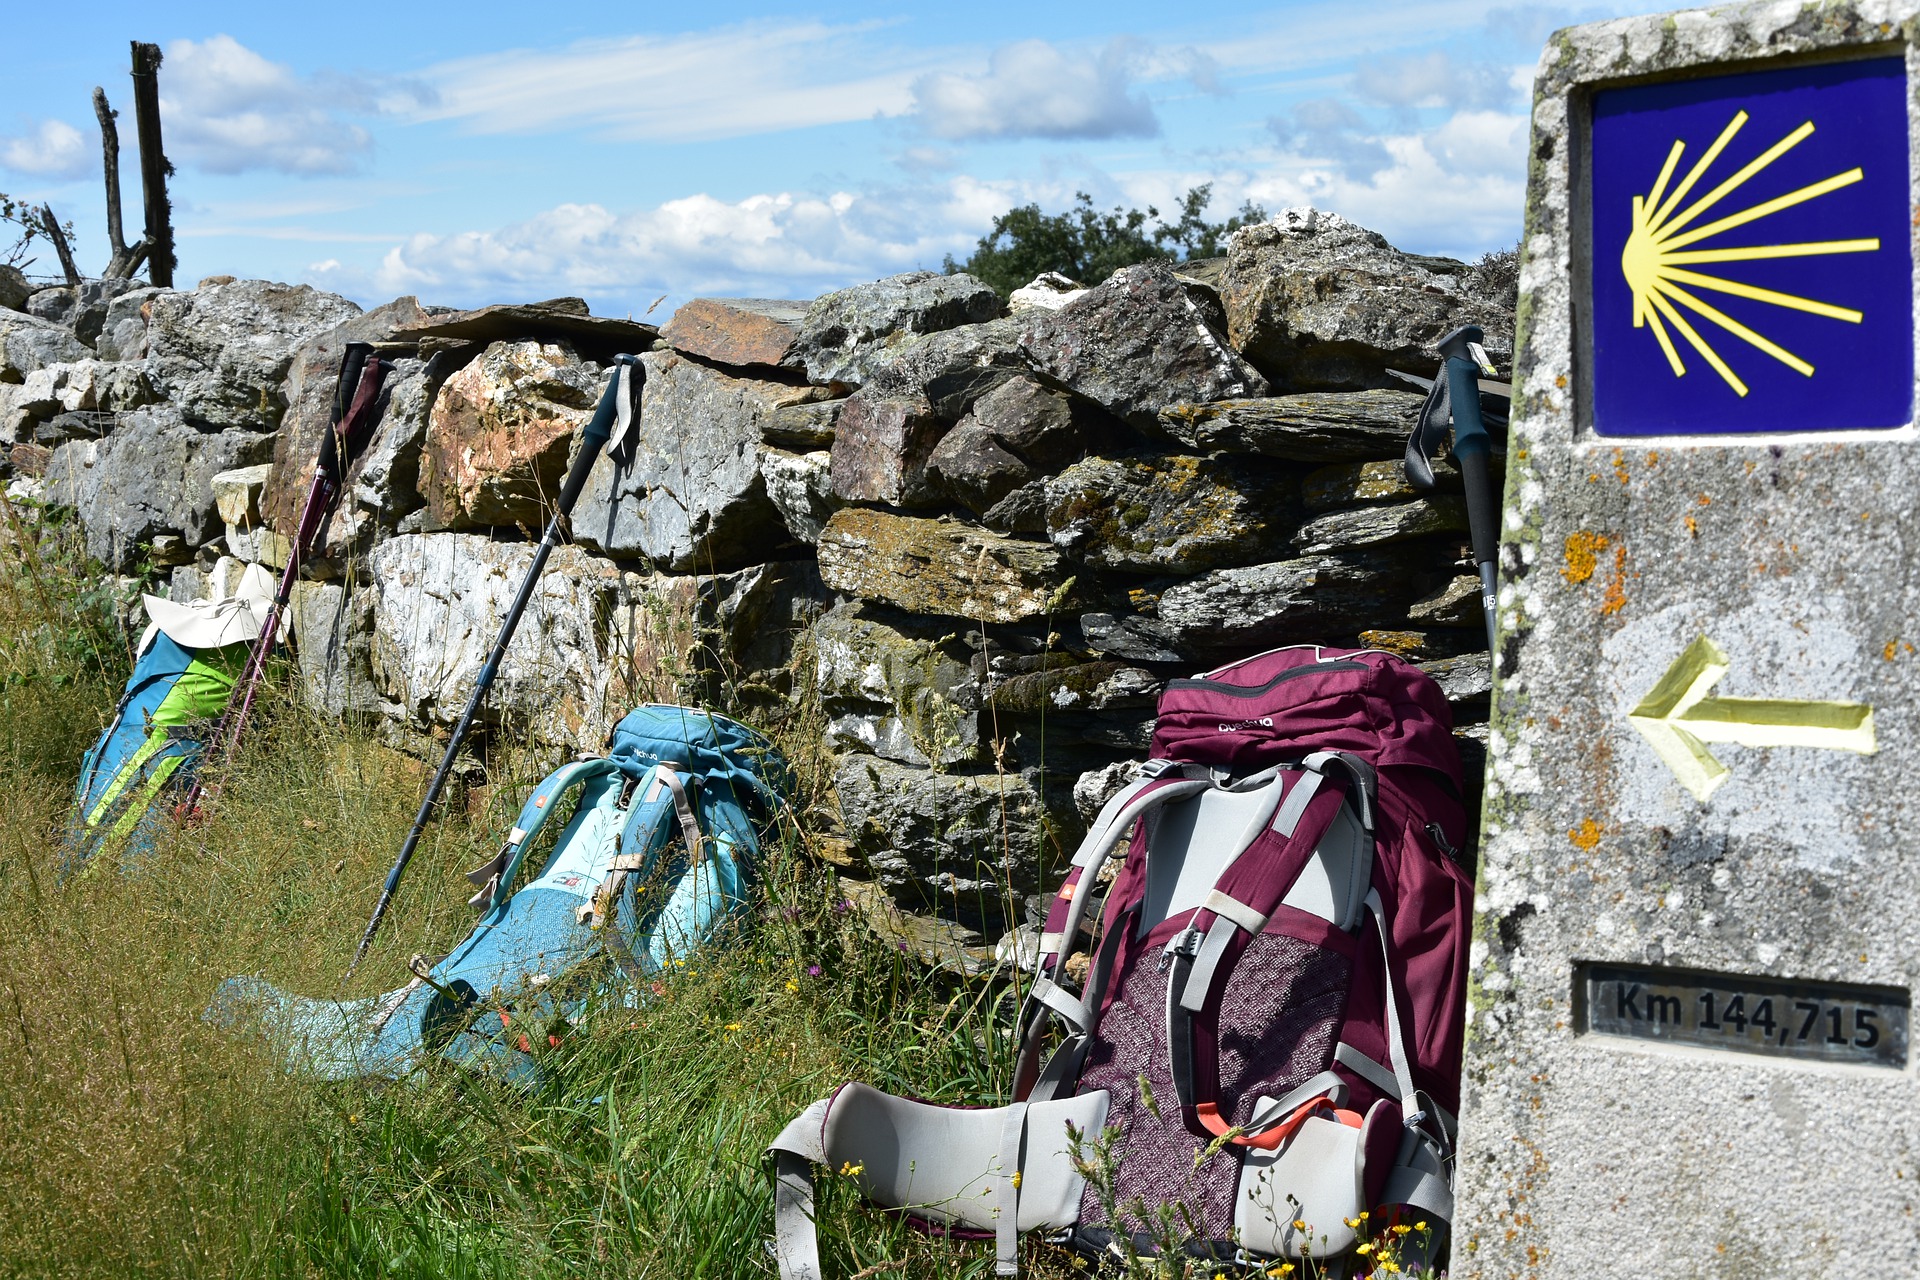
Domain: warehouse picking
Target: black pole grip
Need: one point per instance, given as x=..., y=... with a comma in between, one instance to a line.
x=594, y=436
x=1471, y=447
x=352, y=361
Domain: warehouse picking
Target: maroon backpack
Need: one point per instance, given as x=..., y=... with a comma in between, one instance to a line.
x=1279, y=973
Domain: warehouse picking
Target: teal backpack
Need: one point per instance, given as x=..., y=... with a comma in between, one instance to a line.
x=655, y=863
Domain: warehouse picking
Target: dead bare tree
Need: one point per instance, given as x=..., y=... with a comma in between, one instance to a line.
x=153, y=164
x=50, y=225
x=125, y=261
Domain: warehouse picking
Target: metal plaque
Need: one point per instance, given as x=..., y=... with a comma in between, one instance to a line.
x=1814, y=1021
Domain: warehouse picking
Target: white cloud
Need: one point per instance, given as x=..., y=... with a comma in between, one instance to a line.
x=1420, y=201
x=54, y=150
x=1480, y=142
x=1034, y=90
x=1329, y=131
x=727, y=82
x=226, y=109
x=774, y=245
x=1431, y=79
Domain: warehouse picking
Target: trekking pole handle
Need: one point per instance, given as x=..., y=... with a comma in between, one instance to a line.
x=1471, y=447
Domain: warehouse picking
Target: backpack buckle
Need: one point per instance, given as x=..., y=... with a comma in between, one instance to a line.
x=1186, y=943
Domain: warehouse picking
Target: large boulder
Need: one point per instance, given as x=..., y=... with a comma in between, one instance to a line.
x=83, y=308
x=1308, y=427
x=152, y=476
x=563, y=320
x=1170, y=514
x=1239, y=611
x=691, y=494
x=950, y=369
x=86, y=386
x=800, y=486
x=14, y=289
x=439, y=598
x=847, y=334
x=221, y=353
x=1319, y=303
x=333, y=625
x=384, y=482
x=895, y=685
x=499, y=435
x=1138, y=343
x=973, y=468
x=1015, y=431
x=1373, y=526
x=123, y=330
x=938, y=567
x=881, y=447
x=947, y=843
x=312, y=377
x=736, y=331
x=27, y=343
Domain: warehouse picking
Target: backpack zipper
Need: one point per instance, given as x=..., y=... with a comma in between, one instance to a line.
x=1254, y=691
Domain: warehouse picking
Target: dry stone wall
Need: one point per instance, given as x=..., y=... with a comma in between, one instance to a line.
x=965, y=545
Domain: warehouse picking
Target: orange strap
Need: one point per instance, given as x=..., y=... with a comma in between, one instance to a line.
x=1211, y=1120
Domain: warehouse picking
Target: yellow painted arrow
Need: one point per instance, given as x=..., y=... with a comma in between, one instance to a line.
x=1678, y=719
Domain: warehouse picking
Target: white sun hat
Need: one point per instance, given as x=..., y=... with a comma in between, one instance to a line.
x=208, y=624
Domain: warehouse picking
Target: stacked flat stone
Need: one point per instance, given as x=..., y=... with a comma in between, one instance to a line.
x=971, y=543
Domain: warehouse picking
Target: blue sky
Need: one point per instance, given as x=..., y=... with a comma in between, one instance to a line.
x=492, y=152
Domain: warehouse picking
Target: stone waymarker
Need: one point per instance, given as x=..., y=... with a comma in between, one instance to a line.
x=1700, y=895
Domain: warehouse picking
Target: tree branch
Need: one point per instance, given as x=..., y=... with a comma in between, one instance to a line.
x=120, y=266
x=51, y=225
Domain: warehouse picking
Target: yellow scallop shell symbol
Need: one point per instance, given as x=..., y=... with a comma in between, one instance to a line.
x=1656, y=258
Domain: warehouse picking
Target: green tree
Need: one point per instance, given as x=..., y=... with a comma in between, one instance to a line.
x=1088, y=245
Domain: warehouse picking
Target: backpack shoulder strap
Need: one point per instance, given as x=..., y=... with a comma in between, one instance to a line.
x=1244, y=898
x=493, y=876
x=1161, y=782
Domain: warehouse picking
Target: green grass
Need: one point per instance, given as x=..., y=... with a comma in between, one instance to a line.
x=137, y=1138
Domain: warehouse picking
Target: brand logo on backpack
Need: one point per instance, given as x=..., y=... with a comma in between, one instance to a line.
x=1264, y=722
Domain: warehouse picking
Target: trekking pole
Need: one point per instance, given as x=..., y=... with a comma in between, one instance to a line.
x=349, y=428
x=615, y=404
x=1455, y=399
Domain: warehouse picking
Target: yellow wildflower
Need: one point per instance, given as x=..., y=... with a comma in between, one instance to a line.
x=1363, y=1215
x=1364, y=1250
x=1401, y=1228
x=1420, y=1226
x=1016, y=1180
x=793, y=984
x=1299, y=1225
x=734, y=1026
x=852, y=1170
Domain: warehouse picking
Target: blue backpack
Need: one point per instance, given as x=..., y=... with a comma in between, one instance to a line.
x=655, y=862
x=183, y=675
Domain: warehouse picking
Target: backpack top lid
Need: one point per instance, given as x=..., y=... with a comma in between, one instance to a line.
x=1281, y=705
x=712, y=747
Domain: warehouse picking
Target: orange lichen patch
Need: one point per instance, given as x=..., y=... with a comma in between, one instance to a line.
x=1582, y=553
x=1705, y=501
x=1693, y=527
x=1653, y=459
x=1616, y=598
x=1586, y=836
x=1561, y=381
x=1620, y=471
x=1894, y=648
